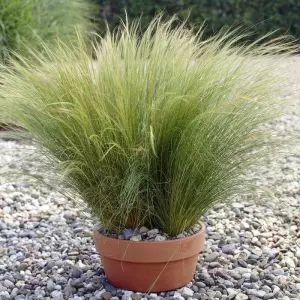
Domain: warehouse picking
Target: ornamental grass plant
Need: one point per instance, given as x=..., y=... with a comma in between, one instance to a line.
x=158, y=126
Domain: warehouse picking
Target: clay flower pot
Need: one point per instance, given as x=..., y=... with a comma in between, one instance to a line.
x=150, y=266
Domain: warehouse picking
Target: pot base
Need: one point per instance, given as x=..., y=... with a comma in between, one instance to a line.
x=150, y=277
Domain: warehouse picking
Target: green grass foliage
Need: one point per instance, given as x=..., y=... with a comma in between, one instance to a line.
x=25, y=23
x=158, y=127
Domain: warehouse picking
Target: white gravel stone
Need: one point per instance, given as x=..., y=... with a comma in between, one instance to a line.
x=241, y=296
x=160, y=238
x=136, y=238
x=186, y=292
x=231, y=293
x=289, y=262
x=143, y=230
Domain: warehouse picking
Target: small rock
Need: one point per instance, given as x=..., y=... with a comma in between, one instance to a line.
x=143, y=230
x=195, y=288
x=270, y=276
x=127, y=295
x=229, y=249
x=296, y=287
x=57, y=295
x=256, y=251
x=234, y=275
x=50, y=285
x=276, y=289
x=136, y=296
x=68, y=290
x=257, y=293
x=254, y=298
x=245, y=225
x=267, y=234
x=278, y=272
x=222, y=273
x=255, y=232
x=211, y=257
x=241, y=296
x=78, y=229
x=39, y=293
x=77, y=282
x=180, y=236
x=76, y=272
x=3, y=251
x=246, y=276
x=106, y=296
x=200, y=284
x=237, y=205
x=128, y=233
x=254, y=277
x=231, y=293
x=4, y=295
x=152, y=232
x=214, y=264
x=136, y=238
x=206, y=278
x=160, y=238
x=7, y=283
x=242, y=263
x=289, y=262
x=186, y=292
x=6, y=210
x=252, y=261
x=178, y=296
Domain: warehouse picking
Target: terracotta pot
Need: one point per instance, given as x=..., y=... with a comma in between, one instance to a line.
x=150, y=266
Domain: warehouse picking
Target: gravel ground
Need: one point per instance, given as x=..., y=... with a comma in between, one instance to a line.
x=252, y=248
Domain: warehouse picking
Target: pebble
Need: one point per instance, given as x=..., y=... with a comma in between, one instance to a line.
x=278, y=272
x=206, y=278
x=152, y=232
x=8, y=284
x=257, y=293
x=76, y=272
x=143, y=230
x=4, y=295
x=136, y=296
x=160, y=238
x=128, y=233
x=50, y=285
x=231, y=293
x=186, y=292
x=106, y=296
x=212, y=257
x=289, y=262
x=57, y=295
x=241, y=296
x=136, y=238
x=269, y=296
x=229, y=249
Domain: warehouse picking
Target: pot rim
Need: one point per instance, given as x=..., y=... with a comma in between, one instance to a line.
x=174, y=241
x=150, y=251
